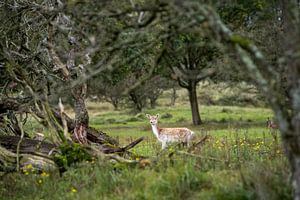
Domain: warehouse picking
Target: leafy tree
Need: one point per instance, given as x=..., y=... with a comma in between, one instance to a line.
x=149, y=90
x=191, y=60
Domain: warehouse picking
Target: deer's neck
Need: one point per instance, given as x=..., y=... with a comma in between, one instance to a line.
x=155, y=130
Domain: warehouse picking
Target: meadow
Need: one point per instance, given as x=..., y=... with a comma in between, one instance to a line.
x=240, y=159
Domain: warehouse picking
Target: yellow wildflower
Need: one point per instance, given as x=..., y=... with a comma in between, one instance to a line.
x=73, y=190
x=256, y=148
x=277, y=151
x=28, y=166
x=25, y=172
x=44, y=174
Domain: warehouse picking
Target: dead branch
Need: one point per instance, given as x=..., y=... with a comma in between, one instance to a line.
x=28, y=146
x=201, y=142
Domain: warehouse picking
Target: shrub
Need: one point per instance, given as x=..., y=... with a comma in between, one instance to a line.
x=166, y=116
x=70, y=154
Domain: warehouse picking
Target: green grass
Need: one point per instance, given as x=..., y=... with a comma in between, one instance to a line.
x=240, y=160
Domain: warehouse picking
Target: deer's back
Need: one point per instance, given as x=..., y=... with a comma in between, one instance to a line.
x=175, y=132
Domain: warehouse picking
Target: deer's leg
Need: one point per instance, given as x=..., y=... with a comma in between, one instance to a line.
x=188, y=144
x=188, y=141
x=164, y=145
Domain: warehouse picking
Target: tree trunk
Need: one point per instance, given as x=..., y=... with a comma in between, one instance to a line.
x=291, y=41
x=153, y=100
x=292, y=150
x=81, y=114
x=137, y=101
x=194, y=102
x=173, y=97
x=291, y=144
x=115, y=103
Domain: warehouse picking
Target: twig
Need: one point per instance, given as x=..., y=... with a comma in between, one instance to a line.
x=19, y=143
x=199, y=156
x=133, y=144
x=201, y=141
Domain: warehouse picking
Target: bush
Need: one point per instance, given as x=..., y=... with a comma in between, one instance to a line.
x=133, y=119
x=71, y=154
x=140, y=116
x=166, y=116
x=181, y=119
x=226, y=110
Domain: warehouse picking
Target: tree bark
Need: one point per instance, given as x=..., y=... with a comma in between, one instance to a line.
x=8, y=161
x=173, y=96
x=138, y=104
x=292, y=149
x=291, y=44
x=194, y=102
x=27, y=146
x=153, y=100
x=93, y=135
x=81, y=114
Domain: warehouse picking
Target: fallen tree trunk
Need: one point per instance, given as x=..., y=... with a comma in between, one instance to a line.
x=39, y=154
x=31, y=146
x=28, y=146
x=8, y=162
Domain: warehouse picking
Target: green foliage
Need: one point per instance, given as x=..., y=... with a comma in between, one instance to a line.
x=238, y=13
x=271, y=182
x=71, y=154
x=241, y=41
x=166, y=116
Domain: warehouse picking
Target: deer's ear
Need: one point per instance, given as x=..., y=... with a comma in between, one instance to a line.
x=148, y=116
x=157, y=116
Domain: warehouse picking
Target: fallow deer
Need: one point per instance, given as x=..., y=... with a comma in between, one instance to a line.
x=271, y=124
x=170, y=135
x=273, y=127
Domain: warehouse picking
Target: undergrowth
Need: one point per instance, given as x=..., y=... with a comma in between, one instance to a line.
x=239, y=160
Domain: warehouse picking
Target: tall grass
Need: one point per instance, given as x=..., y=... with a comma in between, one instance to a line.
x=239, y=160
x=238, y=166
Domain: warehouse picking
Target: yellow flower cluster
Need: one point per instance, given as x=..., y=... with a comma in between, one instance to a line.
x=256, y=146
x=220, y=144
x=73, y=190
x=44, y=174
x=27, y=169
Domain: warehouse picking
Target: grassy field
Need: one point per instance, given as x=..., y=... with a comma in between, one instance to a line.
x=241, y=159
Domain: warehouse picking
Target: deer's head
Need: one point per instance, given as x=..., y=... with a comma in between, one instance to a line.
x=153, y=119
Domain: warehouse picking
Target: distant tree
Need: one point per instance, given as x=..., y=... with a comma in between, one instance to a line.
x=149, y=90
x=191, y=60
x=174, y=95
x=108, y=86
x=156, y=86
